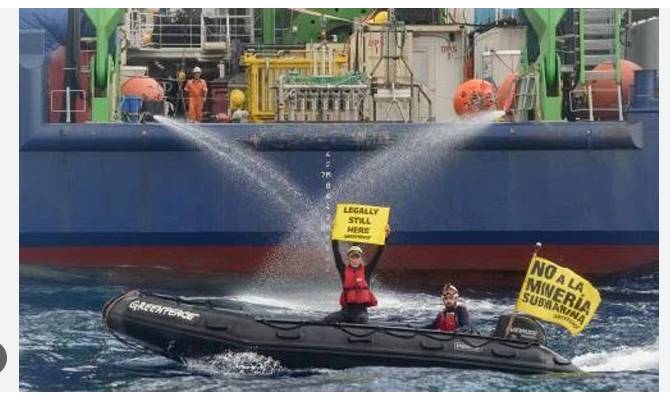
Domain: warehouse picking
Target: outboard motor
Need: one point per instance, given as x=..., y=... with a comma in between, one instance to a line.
x=524, y=328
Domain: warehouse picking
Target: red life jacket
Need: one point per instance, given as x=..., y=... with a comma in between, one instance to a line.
x=447, y=321
x=355, y=289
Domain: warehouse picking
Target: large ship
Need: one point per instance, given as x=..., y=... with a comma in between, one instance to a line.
x=305, y=98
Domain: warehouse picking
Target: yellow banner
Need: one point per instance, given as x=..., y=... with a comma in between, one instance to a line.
x=361, y=223
x=557, y=294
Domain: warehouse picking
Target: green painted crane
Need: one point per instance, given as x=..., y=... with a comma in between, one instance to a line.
x=547, y=66
x=302, y=26
x=105, y=66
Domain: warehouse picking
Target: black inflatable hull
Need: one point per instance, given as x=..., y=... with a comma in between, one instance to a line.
x=178, y=329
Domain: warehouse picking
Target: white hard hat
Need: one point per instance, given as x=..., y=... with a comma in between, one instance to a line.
x=197, y=69
x=355, y=250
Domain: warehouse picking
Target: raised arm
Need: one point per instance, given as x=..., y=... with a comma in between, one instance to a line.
x=339, y=263
x=370, y=267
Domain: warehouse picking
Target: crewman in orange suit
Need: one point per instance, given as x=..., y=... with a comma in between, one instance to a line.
x=197, y=93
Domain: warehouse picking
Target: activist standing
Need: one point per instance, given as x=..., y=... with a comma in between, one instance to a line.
x=197, y=93
x=356, y=295
x=455, y=316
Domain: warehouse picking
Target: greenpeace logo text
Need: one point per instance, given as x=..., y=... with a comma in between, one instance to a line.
x=142, y=306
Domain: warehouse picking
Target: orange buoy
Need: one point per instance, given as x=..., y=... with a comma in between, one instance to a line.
x=474, y=96
x=506, y=93
x=604, y=91
x=145, y=87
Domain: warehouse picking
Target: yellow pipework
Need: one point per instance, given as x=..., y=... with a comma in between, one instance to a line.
x=263, y=72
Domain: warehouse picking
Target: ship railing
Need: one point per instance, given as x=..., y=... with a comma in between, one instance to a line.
x=138, y=27
x=69, y=95
x=215, y=32
x=219, y=27
x=189, y=37
x=155, y=30
x=581, y=101
x=212, y=29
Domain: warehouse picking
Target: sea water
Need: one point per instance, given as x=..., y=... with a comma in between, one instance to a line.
x=64, y=346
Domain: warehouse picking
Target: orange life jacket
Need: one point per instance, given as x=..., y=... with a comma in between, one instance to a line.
x=447, y=321
x=355, y=289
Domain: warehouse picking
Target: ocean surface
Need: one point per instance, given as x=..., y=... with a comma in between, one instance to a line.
x=64, y=346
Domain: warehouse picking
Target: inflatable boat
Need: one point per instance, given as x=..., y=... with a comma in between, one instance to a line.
x=182, y=328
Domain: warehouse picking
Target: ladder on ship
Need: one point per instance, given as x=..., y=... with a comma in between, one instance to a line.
x=599, y=41
x=525, y=97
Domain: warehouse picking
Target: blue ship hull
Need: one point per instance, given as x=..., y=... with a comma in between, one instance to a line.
x=124, y=194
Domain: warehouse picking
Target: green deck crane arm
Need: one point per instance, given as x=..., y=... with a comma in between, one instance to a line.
x=105, y=21
x=307, y=22
x=544, y=22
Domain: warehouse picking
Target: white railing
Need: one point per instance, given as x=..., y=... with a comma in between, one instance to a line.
x=211, y=29
x=68, y=93
x=581, y=101
x=215, y=31
x=153, y=29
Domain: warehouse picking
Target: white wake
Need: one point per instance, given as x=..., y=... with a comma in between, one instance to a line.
x=624, y=358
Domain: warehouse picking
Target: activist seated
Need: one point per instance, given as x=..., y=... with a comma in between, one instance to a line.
x=455, y=316
x=356, y=295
